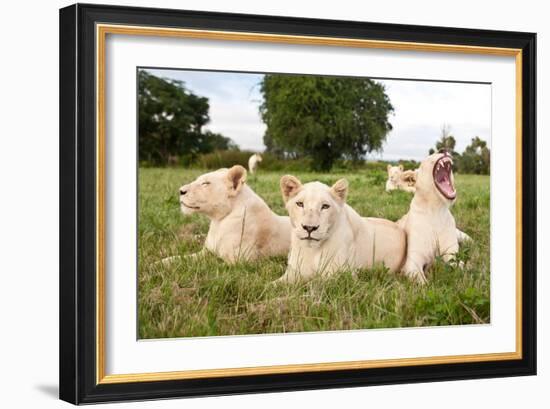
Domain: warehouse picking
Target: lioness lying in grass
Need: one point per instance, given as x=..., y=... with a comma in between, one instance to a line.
x=329, y=236
x=242, y=226
x=398, y=178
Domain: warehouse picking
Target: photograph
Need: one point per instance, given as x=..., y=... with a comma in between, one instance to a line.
x=274, y=203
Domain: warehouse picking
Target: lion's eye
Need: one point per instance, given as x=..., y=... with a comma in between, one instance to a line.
x=325, y=207
x=205, y=183
x=300, y=204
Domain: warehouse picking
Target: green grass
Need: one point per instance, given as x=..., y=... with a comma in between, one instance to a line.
x=207, y=297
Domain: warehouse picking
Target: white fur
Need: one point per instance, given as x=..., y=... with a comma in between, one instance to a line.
x=253, y=163
x=400, y=179
x=342, y=240
x=430, y=226
x=242, y=226
x=462, y=237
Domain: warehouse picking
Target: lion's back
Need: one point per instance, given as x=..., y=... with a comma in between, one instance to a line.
x=391, y=242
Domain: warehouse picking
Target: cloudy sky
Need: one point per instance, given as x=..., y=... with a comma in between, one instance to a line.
x=421, y=108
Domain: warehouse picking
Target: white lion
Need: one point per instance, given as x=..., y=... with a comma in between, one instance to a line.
x=329, y=236
x=253, y=163
x=398, y=178
x=242, y=226
x=430, y=226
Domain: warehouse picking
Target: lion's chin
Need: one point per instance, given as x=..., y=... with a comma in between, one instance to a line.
x=188, y=210
x=312, y=244
x=309, y=243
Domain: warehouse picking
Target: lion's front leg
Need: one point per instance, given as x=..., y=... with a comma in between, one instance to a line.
x=448, y=247
x=193, y=256
x=298, y=269
x=199, y=254
x=419, y=255
x=414, y=270
x=410, y=189
x=290, y=276
x=170, y=260
x=462, y=237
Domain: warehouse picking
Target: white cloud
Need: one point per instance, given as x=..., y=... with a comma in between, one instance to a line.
x=421, y=108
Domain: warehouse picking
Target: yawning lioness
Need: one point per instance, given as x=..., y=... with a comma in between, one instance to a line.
x=430, y=226
x=329, y=236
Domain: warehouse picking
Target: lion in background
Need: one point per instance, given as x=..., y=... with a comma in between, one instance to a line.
x=254, y=162
x=398, y=178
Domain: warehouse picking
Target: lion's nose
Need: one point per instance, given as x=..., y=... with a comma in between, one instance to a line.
x=183, y=191
x=309, y=229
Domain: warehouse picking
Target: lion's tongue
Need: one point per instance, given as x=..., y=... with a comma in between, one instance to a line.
x=442, y=178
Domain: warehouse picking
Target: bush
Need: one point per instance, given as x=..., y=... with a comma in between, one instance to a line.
x=270, y=162
x=223, y=159
x=226, y=159
x=382, y=166
x=376, y=165
x=409, y=164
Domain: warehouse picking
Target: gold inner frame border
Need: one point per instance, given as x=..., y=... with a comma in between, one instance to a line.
x=102, y=30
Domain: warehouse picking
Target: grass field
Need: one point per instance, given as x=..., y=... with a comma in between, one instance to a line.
x=208, y=297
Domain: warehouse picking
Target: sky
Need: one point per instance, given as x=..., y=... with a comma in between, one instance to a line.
x=421, y=108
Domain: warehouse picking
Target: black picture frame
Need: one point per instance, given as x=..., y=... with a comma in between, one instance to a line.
x=78, y=381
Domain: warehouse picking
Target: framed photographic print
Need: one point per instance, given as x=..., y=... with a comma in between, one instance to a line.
x=257, y=203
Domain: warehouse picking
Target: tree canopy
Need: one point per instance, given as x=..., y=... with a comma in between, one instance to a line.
x=171, y=121
x=476, y=158
x=325, y=118
x=446, y=142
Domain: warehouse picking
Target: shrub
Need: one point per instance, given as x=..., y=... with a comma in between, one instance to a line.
x=223, y=159
x=270, y=162
x=409, y=164
x=376, y=166
x=226, y=159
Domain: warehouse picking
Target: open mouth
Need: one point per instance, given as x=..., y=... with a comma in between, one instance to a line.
x=442, y=172
x=190, y=207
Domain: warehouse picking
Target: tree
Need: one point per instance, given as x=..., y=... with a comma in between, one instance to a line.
x=171, y=121
x=211, y=142
x=274, y=149
x=326, y=118
x=476, y=158
x=447, y=142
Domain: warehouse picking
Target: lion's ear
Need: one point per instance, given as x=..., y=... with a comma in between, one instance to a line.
x=340, y=189
x=236, y=178
x=409, y=176
x=401, y=168
x=290, y=185
x=389, y=167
